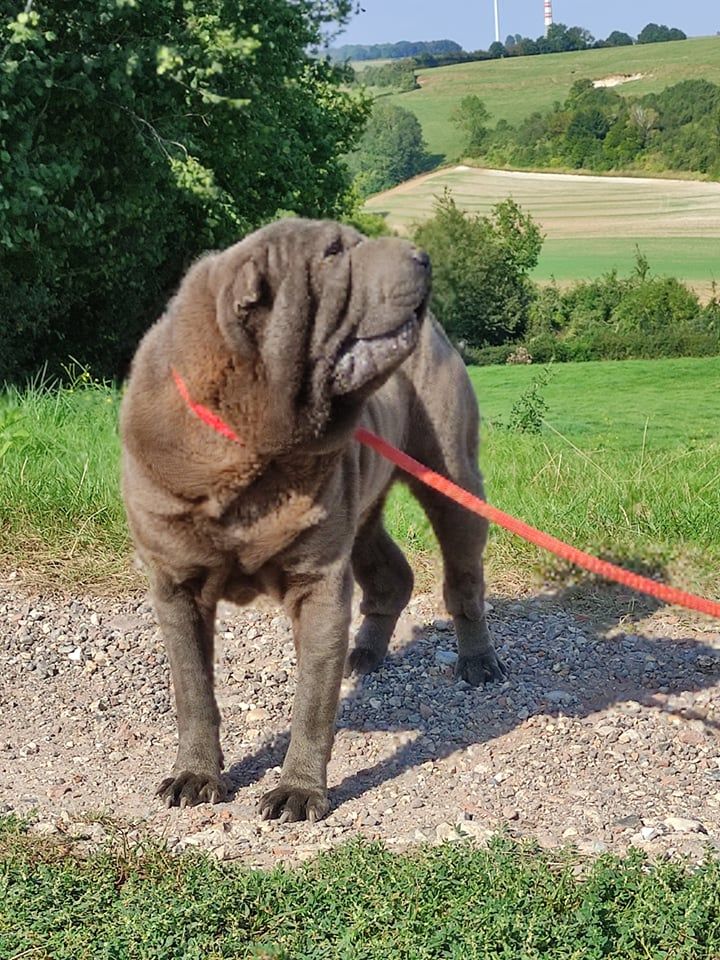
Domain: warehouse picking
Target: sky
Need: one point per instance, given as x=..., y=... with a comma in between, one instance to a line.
x=471, y=22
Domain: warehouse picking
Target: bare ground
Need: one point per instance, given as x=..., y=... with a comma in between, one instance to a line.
x=605, y=735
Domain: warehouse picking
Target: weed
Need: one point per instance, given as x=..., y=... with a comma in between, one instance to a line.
x=528, y=413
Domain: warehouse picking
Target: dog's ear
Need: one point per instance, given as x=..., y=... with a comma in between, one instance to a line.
x=242, y=291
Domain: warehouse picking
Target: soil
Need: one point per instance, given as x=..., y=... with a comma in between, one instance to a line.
x=604, y=736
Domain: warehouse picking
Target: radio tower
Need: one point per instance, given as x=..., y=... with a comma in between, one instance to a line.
x=548, y=15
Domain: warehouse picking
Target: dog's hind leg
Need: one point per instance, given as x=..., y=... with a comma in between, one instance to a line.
x=447, y=442
x=386, y=579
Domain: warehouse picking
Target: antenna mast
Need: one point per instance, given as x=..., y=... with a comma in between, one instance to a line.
x=548, y=16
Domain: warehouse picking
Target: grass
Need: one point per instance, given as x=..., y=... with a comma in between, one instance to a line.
x=628, y=465
x=690, y=259
x=61, y=515
x=592, y=224
x=358, y=903
x=512, y=89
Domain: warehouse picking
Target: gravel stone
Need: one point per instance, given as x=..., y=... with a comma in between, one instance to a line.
x=600, y=737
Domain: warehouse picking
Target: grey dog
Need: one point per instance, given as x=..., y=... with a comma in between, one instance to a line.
x=294, y=337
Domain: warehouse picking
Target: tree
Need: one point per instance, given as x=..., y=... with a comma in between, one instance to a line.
x=619, y=39
x=481, y=290
x=391, y=149
x=471, y=116
x=136, y=134
x=497, y=50
x=659, y=33
x=578, y=38
x=644, y=119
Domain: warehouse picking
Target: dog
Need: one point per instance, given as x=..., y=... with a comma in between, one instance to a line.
x=290, y=340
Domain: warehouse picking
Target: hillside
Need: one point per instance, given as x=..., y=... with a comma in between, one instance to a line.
x=592, y=224
x=516, y=87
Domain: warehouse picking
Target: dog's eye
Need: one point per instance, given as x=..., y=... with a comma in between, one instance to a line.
x=333, y=248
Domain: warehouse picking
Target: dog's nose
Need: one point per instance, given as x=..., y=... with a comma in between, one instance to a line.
x=422, y=258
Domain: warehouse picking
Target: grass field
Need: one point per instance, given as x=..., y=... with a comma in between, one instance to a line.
x=514, y=88
x=358, y=903
x=592, y=224
x=628, y=464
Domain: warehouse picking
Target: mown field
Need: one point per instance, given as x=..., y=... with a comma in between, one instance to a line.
x=591, y=224
x=514, y=88
x=627, y=464
x=358, y=903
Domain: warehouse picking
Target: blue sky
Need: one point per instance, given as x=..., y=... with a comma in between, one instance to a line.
x=471, y=22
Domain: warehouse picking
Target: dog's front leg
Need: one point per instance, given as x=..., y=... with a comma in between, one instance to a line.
x=320, y=612
x=187, y=623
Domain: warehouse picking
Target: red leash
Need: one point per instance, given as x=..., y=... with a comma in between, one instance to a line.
x=581, y=559
x=449, y=489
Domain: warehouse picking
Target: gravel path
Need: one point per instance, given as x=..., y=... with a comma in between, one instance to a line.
x=605, y=735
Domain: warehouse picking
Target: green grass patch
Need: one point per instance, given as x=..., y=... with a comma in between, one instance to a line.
x=60, y=509
x=514, y=88
x=627, y=465
x=359, y=902
x=692, y=259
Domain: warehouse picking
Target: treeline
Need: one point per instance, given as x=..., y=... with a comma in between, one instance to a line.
x=559, y=39
x=489, y=306
x=400, y=75
x=393, y=51
x=598, y=129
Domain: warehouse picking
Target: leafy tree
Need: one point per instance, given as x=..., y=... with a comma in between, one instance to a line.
x=391, y=149
x=481, y=290
x=619, y=39
x=497, y=50
x=525, y=48
x=659, y=33
x=675, y=129
x=472, y=116
x=133, y=135
x=561, y=39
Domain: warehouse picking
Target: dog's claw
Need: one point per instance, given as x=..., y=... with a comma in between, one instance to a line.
x=187, y=789
x=291, y=804
x=481, y=669
x=362, y=660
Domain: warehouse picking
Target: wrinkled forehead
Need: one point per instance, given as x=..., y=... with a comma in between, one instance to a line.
x=307, y=238
x=283, y=246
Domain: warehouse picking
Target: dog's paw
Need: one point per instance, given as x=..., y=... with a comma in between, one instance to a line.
x=187, y=789
x=362, y=660
x=480, y=669
x=289, y=804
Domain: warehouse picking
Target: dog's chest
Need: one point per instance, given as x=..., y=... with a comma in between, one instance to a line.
x=255, y=532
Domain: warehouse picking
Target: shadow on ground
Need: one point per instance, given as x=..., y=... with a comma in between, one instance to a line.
x=587, y=629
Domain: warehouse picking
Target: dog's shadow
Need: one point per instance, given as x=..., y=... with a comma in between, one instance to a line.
x=587, y=630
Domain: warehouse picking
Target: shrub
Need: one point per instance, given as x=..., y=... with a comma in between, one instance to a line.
x=614, y=318
x=136, y=135
x=481, y=290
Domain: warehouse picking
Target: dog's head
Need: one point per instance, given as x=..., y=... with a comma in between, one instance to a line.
x=319, y=313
